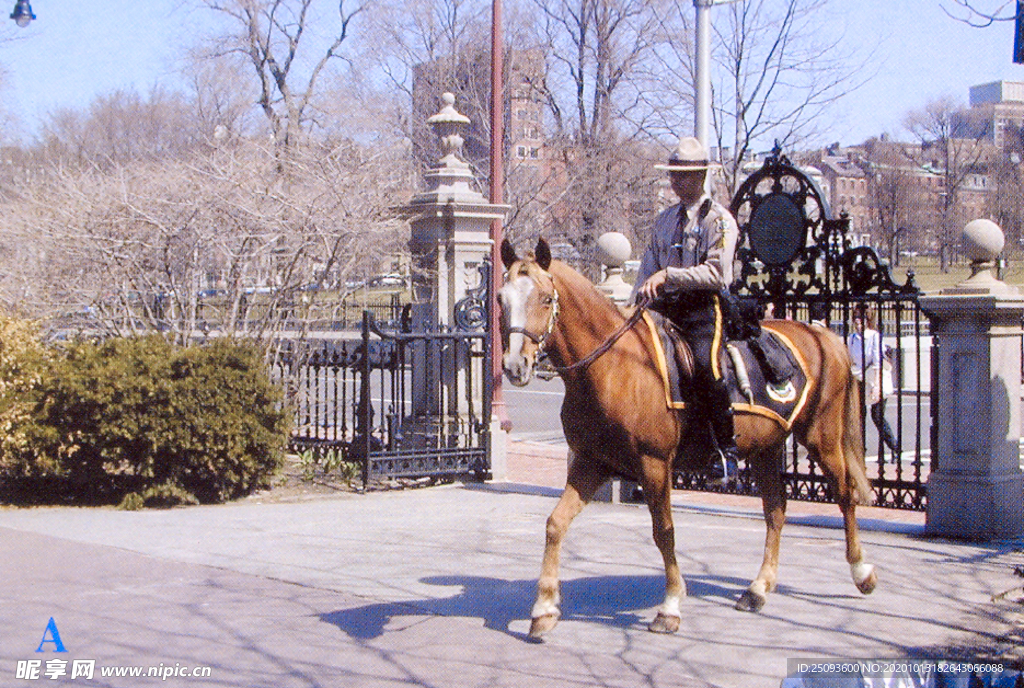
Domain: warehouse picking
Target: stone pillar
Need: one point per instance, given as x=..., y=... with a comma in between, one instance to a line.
x=977, y=489
x=450, y=239
x=450, y=222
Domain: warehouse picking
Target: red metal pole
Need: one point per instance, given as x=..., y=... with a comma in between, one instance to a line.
x=498, y=198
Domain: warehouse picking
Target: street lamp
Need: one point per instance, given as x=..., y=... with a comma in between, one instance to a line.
x=702, y=108
x=497, y=197
x=22, y=14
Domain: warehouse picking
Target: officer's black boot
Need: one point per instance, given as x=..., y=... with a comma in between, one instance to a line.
x=725, y=467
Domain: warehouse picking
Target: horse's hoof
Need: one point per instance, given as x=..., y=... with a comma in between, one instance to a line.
x=864, y=576
x=664, y=623
x=867, y=586
x=542, y=624
x=750, y=602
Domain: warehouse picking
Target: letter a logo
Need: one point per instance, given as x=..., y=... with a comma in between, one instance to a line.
x=54, y=637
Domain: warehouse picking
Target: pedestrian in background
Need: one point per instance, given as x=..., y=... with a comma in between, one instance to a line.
x=873, y=369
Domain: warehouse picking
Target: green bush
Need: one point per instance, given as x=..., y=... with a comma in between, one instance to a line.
x=24, y=365
x=170, y=424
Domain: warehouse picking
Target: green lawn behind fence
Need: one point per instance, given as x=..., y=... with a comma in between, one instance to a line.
x=930, y=278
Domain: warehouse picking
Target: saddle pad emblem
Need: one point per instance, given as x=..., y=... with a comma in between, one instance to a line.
x=783, y=394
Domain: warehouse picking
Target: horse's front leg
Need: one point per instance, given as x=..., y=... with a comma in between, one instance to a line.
x=768, y=473
x=657, y=486
x=585, y=477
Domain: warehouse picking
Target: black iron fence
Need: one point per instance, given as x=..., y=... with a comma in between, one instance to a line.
x=401, y=404
x=899, y=435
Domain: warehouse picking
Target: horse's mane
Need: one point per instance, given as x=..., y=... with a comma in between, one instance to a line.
x=585, y=290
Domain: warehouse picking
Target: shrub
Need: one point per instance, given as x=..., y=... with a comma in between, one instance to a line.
x=24, y=365
x=141, y=415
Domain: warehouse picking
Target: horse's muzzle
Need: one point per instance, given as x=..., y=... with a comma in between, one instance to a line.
x=518, y=369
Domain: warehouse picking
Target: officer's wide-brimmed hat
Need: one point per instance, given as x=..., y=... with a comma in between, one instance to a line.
x=689, y=156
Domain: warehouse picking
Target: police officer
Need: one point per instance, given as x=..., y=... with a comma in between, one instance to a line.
x=688, y=264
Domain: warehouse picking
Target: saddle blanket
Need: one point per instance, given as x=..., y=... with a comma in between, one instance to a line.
x=780, y=403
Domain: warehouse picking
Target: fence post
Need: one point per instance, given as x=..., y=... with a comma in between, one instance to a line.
x=977, y=489
x=450, y=224
x=364, y=414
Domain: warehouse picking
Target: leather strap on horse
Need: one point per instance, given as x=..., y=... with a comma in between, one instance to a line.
x=585, y=362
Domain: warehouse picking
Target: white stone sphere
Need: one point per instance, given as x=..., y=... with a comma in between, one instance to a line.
x=983, y=240
x=613, y=249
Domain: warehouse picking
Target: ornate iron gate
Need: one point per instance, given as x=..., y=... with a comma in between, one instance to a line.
x=402, y=404
x=794, y=254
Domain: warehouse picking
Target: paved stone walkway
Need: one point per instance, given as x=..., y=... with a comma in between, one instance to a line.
x=433, y=587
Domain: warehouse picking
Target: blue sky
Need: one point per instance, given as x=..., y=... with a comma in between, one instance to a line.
x=922, y=54
x=77, y=50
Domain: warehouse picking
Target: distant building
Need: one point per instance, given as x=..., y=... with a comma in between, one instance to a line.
x=525, y=125
x=841, y=177
x=469, y=80
x=1000, y=105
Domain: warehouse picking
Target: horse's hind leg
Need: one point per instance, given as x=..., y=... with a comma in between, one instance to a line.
x=585, y=477
x=767, y=468
x=850, y=484
x=864, y=576
x=657, y=486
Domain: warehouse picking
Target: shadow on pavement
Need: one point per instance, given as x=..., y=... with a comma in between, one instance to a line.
x=619, y=601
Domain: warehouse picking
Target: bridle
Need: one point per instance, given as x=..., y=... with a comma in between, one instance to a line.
x=602, y=349
x=541, y=339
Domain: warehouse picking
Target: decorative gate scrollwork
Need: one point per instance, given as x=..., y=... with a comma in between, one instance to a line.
x=791, y=248
x=355, y=395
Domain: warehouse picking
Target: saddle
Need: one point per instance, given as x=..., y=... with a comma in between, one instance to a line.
x=755, y=384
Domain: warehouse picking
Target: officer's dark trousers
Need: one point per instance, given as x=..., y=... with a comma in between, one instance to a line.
x=698, y=319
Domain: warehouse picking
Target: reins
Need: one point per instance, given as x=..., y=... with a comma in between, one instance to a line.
x=585, y=362
x=541, y=339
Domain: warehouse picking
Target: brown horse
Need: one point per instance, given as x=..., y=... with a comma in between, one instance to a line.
x=617, y=422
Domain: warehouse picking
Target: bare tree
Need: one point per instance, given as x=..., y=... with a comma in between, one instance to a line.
x=212, y=240
x=892, y=195
x=780, y=67
x=980, y=13
x=1005, y=201
x=286, y=45
x=594, y=49
x=952, y=146
x=222, y=99
x=597, y=55
x=120, y=127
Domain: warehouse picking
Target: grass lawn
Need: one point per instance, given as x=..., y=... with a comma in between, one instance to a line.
x=930, y=279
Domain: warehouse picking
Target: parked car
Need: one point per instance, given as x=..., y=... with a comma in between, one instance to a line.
x=389, y=280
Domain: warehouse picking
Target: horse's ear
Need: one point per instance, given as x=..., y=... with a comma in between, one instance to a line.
x=508, y=254
x=543, y=254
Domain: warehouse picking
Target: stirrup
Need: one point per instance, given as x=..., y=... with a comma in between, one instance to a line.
x=724, y=469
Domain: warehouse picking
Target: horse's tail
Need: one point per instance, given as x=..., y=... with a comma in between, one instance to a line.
x=853, y=446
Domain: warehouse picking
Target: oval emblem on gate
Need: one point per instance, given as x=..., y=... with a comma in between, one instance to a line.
x=776, y=230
